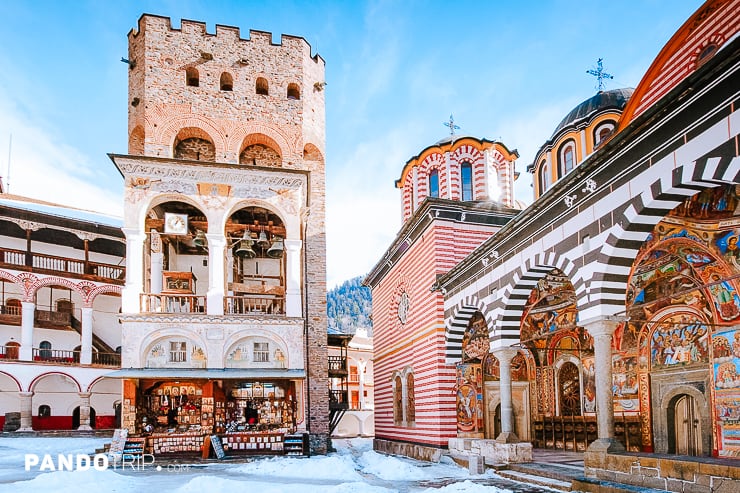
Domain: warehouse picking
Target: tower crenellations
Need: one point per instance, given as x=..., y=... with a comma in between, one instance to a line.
x=240, y=101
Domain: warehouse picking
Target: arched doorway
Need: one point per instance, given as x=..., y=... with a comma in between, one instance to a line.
x=76, y=418
x=684, y=426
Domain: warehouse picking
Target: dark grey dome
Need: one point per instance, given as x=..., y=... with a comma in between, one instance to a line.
x=614, y=99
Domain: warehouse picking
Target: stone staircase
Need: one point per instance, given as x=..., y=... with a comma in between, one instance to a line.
x=565, y=477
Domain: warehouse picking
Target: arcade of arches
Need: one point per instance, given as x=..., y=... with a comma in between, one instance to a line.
x=675, y=361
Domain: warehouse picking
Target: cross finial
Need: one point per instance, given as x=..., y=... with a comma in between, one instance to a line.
x=451, y=125
x=600, y=74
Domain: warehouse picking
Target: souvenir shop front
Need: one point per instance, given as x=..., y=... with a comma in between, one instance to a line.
x=180, y=412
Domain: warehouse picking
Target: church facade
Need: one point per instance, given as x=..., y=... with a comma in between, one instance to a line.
x=605, y=316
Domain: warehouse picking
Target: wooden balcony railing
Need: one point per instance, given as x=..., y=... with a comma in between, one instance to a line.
x=39, y=262
x=338, y=399
x=61, y=357
x=9, y=353
x=12, y=310
x=57, y=356
x=172, y=303
x=337, y=364
x=106, y=359
x=254, y=303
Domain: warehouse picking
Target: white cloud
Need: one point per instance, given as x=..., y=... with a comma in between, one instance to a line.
x=44, y=168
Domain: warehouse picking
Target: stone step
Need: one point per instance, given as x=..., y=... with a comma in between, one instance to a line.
x=524, y=477
x=592, y=485
x=561, y=472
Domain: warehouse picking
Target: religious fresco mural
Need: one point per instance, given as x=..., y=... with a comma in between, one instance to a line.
x=726, y=376
x=476, y=342
x=469, y=405
x=550, y=333
x=682, y=297
x=519, y=368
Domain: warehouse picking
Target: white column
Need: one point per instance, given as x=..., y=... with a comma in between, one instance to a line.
x=155, y=282
x=87, y=335
x=414, y=189
x=448, y=172
x=584, y=150
x=601, y=329
x=361, y=381
x=134, y=271
x=216, y=273
x=293, y=281
x=84, y=412
x=504, y=356
x=26, y=411
x=28, y=308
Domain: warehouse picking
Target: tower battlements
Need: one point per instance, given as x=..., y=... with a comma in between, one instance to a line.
x=224, y=94
x=227, y=34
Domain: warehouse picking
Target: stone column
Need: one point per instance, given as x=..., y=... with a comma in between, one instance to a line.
x=134, y=270
x=216, y=271
x=601, y=329
x=504, y=356
x=87, y=336
x=293, y=306
x=28, y=309
x=26, y=411
x=84, y=412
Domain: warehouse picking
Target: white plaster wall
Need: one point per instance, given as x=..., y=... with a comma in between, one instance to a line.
x=216, y=338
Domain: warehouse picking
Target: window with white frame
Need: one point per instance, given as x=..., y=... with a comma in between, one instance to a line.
x=261, y=352
x=178, y=351
x=567, y=158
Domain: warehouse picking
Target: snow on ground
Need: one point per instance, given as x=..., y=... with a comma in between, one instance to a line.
x=353, y=468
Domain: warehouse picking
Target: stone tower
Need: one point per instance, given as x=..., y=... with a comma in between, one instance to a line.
x=224, y=218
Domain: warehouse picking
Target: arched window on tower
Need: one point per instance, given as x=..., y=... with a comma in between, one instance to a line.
x=261, y=86
x=544, y=176
x=293, y=91
x=44, y=411
x=567, y=158
x=227, y=82
x=191, y=77
x=434, y=183
x=466, y=176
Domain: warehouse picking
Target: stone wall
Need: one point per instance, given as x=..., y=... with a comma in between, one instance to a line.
x=672, y=473
x=413, y=450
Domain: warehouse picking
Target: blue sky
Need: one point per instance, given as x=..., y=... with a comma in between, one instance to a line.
x=395, y=71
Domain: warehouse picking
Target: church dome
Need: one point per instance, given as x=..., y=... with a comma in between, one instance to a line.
x=614, y=99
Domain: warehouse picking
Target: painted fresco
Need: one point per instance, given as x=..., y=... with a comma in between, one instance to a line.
x=682, y=288
x=550, y=333
x=726, y=375
x=551, y=307
x=519, y=368
x=469, y=406
x=476, y=343
x=679, y=340
x=625, y=385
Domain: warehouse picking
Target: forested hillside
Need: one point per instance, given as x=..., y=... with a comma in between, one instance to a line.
x=348, y=307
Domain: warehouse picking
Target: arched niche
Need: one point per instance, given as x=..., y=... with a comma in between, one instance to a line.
x=257, y=351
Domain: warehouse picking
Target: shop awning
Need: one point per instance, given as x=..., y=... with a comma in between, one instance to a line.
x=211, y=374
